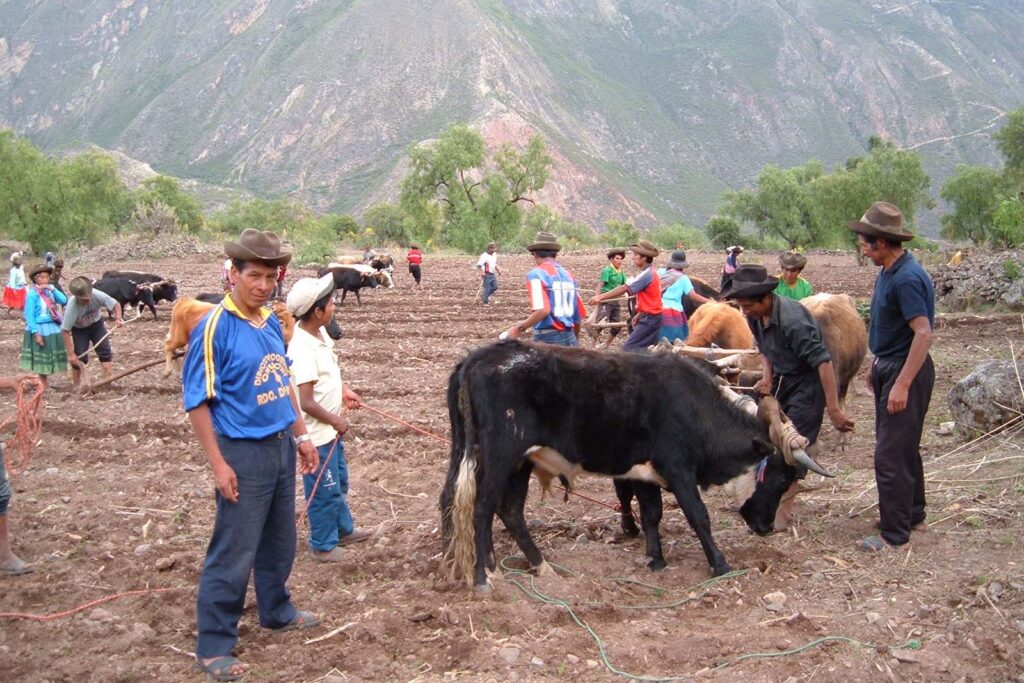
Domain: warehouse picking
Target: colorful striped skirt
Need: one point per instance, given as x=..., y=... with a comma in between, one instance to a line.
x=673, y=325
x=48, y=359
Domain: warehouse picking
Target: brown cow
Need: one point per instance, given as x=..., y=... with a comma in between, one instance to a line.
x=187, y=313
x=720, y=324
x=844, y=335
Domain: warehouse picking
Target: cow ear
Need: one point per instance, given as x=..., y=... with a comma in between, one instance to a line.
x=763, y=447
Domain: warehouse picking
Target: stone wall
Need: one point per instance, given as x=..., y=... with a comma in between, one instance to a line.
x=982, y=278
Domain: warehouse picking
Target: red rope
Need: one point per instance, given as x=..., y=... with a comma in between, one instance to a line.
x=29, y=419
x=73, y=610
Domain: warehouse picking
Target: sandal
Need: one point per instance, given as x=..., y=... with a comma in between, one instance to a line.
x=219, y=669
x=301, y=620
x=872, y=544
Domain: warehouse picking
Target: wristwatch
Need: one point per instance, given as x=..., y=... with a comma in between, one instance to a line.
x=302, y=438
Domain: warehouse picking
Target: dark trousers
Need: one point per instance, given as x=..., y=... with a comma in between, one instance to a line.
x=416, y=272
x=899, y=473
x=803, y=400
x=84, y=337
x=645, y=333
x=255, y=535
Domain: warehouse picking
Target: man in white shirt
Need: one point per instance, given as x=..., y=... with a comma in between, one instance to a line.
x=322, y=395
x=487, y=264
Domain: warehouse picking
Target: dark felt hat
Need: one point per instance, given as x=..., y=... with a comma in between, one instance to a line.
x=793, y=260
x=750, y=281
x=254, y=245
x=678, y=260
x=41, y=268
x=645, y=248
x=544, y=241
x=617, y=251
x=883, y=220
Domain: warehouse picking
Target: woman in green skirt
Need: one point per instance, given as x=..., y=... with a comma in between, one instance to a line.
x=42, y=350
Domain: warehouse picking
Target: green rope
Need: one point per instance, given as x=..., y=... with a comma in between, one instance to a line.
x=533, y=592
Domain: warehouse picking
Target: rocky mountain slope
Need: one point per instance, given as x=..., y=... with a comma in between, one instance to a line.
x=651, y=108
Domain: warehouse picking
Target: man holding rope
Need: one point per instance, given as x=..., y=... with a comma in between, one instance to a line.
x=322, y=395
x=83, y=326
x=238, y=396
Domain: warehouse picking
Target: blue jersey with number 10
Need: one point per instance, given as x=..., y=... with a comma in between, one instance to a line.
x=553, y=283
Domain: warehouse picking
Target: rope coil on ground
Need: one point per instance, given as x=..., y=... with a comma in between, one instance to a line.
x=29, y=425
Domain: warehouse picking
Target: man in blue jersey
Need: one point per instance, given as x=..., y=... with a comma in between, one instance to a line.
x=238, y=397
x=902, y=374
x=556, y=307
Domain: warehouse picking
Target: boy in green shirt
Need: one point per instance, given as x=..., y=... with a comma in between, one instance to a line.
x=611, y=277
x=791, y=285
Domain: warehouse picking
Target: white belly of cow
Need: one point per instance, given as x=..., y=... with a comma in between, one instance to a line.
x=549, y=464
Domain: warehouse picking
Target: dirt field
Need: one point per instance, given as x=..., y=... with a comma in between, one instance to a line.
x=119, y=489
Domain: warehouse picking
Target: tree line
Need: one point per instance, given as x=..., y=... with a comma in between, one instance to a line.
x=457, y=194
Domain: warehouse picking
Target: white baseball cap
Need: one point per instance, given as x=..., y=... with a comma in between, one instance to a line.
x=307, y=292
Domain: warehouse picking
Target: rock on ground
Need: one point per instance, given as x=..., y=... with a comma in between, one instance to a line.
x=975, y=401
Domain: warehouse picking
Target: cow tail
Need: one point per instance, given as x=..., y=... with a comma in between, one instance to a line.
x=459, y=498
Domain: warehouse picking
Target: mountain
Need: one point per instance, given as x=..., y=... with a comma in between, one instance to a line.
x=651, y=108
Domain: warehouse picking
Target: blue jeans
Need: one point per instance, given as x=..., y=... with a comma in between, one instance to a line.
x=490, y=287
x=329, y=516
x=556, y=337
x=255, y=535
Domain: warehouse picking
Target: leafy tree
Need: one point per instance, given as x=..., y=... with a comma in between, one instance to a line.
x=51, y=203
x=389, y=224
x=570, y=235
x=479, y=200
x=168, y=191
x=668, y=236
x=1010, y=140
x=973, y=192
x=342, y=225
x=281, y=216
x=621, y=233
x=783, y=205
x=1008, y=224
x=723, y=232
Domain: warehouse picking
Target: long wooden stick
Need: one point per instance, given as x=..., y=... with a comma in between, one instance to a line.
x=125, y=373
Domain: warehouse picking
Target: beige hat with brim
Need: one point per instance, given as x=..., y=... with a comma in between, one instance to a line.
x=544, y=241
x=306, y=292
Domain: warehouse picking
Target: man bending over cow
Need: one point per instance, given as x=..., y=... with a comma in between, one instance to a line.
x=238, y=395
x=646, y=287
x=322, y=395
x=797, y=367
x=83, y=327
x=555, y=302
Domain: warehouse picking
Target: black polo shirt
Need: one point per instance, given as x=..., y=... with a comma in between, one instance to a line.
x=791, y=341
x=902, y=293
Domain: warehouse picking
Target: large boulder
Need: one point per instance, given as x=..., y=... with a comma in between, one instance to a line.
x=982, y=400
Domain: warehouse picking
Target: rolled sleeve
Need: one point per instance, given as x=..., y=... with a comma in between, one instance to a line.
x=804, y=337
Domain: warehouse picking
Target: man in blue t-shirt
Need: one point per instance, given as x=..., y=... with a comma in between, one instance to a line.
x=239, y=399
x=556, y=307
x=902, y=375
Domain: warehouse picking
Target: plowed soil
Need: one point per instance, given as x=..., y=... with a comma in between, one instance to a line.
x=118, y=489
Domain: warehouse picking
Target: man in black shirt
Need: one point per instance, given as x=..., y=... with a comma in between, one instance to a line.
x=797, y=366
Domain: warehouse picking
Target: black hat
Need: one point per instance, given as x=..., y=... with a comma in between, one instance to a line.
x=617, y=251
x=750, y=281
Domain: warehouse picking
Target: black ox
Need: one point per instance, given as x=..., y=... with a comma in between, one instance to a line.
x=350, y=279
x=160, y=289
x=518, y=407
x=127, y=292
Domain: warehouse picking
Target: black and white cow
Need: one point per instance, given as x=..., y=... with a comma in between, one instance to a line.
x=161, y=288
x=350, y=278
x=127, y=292
x=516, y=408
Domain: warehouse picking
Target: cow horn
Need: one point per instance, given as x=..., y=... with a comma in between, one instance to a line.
x=801, y=456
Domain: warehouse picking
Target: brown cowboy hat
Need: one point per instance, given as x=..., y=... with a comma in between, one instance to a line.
x=750, y=281
x=645, y=248
x=617, y=251
x=254, y=245
x=791, y=260
x=41, y=268
x=883, y=220
x=544, y=241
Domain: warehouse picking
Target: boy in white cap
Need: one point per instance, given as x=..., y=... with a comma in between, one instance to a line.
x=316, y=373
